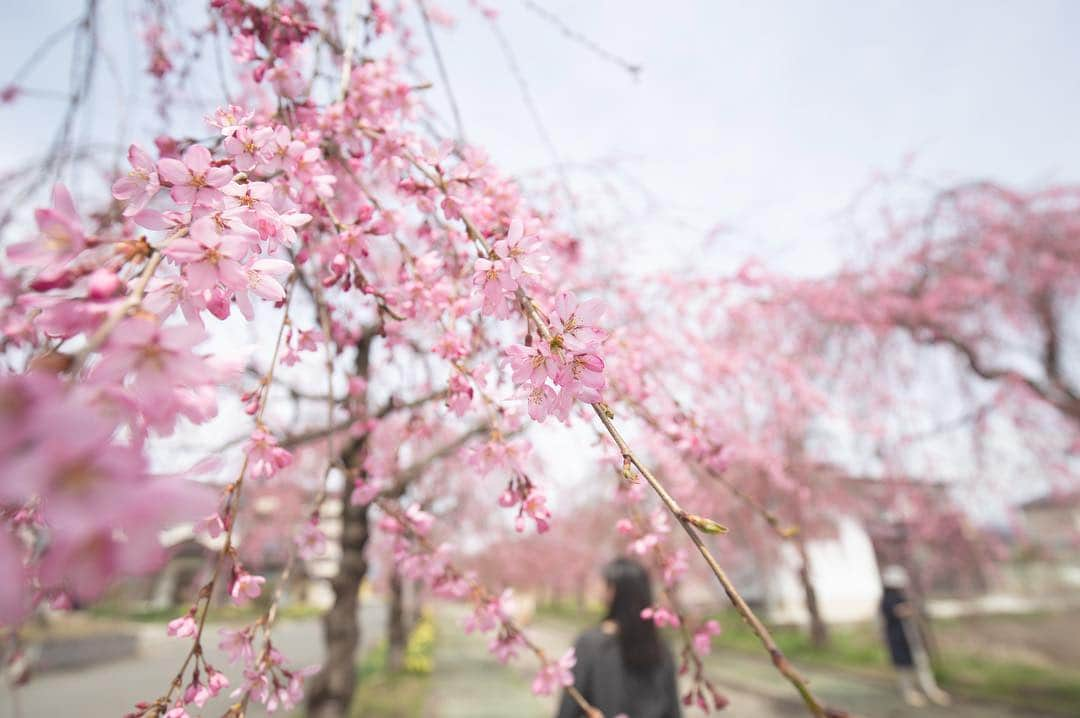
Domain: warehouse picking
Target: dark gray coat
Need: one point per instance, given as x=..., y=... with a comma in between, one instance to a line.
x=607, y=684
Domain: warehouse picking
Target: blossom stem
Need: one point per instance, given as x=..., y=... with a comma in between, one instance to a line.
x=130, y=303
x=233, y=490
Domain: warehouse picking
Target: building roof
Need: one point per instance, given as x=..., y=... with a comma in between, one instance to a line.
x=1053, y=500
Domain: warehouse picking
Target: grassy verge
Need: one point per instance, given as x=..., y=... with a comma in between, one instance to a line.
x=382, y=693
x=1050, y=689
x=859, y=649
x=570, y=612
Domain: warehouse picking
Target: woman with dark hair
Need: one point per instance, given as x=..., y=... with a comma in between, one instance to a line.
x=623, y=668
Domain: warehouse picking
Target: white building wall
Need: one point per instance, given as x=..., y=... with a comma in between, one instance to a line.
x=845, y=575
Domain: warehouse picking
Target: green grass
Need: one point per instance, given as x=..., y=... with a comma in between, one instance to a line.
x=381, y=693
x=569, y=612
x=1051, y=689
x=859, y=648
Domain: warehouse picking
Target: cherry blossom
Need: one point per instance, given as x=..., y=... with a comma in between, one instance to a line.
x=61, y=231
x=237, y=644
x=192, y=178
x=245, y=586
x=555, y=675
x=703, y=637
x=141, y=184
x=183, y=627
x=265, y=457
x=210, y=256
x=311, y=542
x=660, y=616
x=494, y=278
x=516, y=251
x=488, y=615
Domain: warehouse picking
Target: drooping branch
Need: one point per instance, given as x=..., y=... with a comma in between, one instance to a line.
x=690, y=522
x=481, y=596
x=293, y=441
x=415, y=470
x=233, y=492
x=1057, y=396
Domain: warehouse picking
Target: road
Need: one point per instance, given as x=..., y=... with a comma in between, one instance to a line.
x=110, y=690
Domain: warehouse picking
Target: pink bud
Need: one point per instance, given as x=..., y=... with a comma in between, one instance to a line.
x=103, y=284
x=218, y=304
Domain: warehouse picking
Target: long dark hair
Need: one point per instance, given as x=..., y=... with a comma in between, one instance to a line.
x=631, y=592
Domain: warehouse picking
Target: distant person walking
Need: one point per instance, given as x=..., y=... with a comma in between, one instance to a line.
x=906, y=648
x=623, y=668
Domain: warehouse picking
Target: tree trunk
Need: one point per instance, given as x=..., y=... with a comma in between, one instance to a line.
x=819, y=631
x=330, y=692
x=396, y=633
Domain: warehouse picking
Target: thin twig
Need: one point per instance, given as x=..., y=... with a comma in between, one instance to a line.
x=632, y=67
x=442, y=72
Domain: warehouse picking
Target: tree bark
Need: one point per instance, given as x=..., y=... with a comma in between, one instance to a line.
x=396, y=633
x=330, y=692
x=819, y=631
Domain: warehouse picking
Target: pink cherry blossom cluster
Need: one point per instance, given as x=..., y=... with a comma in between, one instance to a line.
x=196, y=693
x=70, y=491
x=660, y=616
x=646, y=537
x=266, y=680
x=265, y=35
x=511, y=268
x=273, y=685
x=530, y=501
x=703, y=637
x=490, y=612
x=568, y=367
x=555, y=674
x=344, y=202
x=489, y=615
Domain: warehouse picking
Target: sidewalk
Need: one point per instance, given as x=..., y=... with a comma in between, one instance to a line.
x=469, y=683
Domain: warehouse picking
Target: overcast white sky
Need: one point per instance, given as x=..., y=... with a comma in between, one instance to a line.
x=767, y=117
x=770, y=116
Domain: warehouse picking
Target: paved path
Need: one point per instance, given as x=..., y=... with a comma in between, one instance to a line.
x=111, y=689
x=469, y=683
